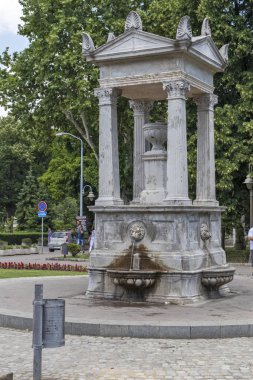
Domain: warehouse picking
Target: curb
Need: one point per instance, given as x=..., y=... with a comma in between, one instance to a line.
x=141, y=330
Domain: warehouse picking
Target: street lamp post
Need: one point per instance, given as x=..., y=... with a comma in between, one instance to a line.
x=249, y=183
x=81, y=174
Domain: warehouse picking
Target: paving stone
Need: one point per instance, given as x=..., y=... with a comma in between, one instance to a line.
x=94, y=358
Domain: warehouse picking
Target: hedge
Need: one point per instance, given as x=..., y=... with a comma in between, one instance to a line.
x=17, y=237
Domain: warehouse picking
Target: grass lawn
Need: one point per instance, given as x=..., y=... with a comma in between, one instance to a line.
x=16, y=273
x=79, y=256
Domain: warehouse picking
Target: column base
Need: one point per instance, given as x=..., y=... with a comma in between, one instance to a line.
x=205, y=202
x=178, y=201
x=135, y=201
x=108, y=201
x=152, y=196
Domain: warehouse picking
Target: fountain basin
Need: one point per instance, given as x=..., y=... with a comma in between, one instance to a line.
x=131, y=279
x=213, y=279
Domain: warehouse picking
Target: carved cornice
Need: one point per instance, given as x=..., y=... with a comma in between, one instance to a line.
x=156, y=78
x=107, y=96
x=206, y=101
x=176, y=88
x=141, y=107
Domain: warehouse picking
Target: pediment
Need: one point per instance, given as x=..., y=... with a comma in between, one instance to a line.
x=131, y=43
x=205, y=47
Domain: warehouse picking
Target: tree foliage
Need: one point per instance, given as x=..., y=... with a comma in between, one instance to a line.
x=65, y=213
x=15, y=157
x=29, y=197
x=49, y=87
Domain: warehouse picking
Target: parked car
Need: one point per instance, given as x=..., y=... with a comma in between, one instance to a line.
x=57, y=239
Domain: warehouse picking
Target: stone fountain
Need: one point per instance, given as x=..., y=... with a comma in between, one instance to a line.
x=162, y=247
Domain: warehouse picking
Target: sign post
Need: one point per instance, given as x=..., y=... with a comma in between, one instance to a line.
x=42, y=207
x=37, y=331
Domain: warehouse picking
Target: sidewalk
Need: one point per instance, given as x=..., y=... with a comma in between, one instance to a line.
x=230, y=316
x=40, y=258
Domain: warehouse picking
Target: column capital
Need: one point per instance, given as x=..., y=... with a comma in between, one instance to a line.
x=206, y=101
x=141, y=107
x=176, y=88
x=107, y=95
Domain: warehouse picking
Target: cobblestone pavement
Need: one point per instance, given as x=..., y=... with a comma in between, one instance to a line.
x=88, y=358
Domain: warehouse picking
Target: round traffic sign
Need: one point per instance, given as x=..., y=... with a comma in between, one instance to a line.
x=42, y=206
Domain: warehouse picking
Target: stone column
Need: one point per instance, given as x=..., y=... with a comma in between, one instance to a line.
x=177, y=170
x=109, y=184
x=205, y=189
x=141, y=110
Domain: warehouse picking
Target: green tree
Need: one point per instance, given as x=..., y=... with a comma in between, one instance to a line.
x=65, y=214
x=232, y=22
x=62, y=178
x=27, y=206
x=15, y=158
x=26, y=212
x=49, y=86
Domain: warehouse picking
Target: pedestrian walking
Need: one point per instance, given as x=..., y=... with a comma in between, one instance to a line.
x=80, y=235
x=49, y=235
x=73, y=236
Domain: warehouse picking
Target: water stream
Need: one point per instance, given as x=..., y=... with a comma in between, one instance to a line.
x=135, y=259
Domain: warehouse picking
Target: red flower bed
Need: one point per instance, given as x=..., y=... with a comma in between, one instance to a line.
x=48, y=266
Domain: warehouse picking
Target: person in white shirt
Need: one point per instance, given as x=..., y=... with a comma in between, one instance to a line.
x=92, y=239
x=250, y=238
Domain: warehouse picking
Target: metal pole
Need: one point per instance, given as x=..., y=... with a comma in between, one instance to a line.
x=251, y=207
x=37, y=331
x=81, y=174
x=81, y=181
x=42, y=233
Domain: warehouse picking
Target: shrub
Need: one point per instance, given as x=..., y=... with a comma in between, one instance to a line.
x=44, y=241
x=27, y=241
x=17, y=237
x=74, y=249
x=3, y=243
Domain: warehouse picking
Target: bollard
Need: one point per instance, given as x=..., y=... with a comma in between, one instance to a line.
x=64, y=249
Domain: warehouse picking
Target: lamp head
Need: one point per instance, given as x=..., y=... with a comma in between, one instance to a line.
x=249, y=182
x=60, y=134
x=91, y=196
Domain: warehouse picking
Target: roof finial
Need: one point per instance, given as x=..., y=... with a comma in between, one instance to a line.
x=184, y=31
x=206, y=30
x=133, y=21
x=224, y=52
x=111, y=37
x=87, y=45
